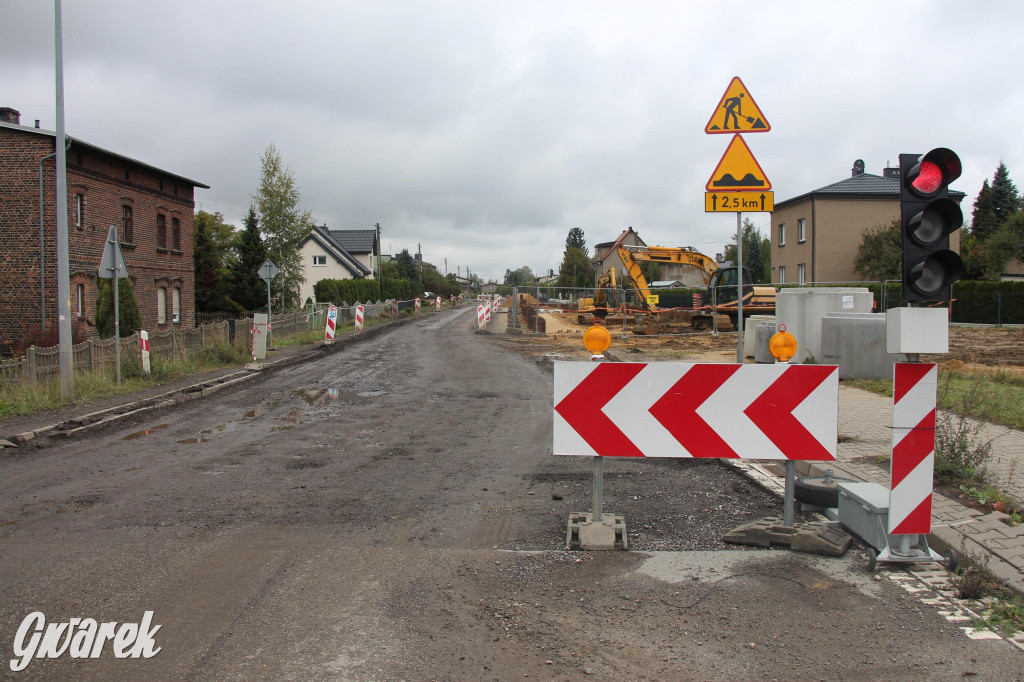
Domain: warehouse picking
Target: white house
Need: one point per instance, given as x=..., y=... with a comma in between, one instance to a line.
x=337, y=254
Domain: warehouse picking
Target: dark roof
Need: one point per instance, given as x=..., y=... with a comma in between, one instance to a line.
x=863, y=186
x=354, y=241
x=76, y=142
x=325, y=238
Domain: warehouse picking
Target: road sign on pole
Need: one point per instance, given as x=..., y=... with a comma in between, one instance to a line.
x=674, y=409
x=742, y=202
x=267, y=272
x=112, y=266
x=737, y=112
x=738, y=171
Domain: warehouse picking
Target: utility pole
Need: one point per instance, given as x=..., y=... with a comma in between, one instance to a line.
x=67, y=376
x=419, y=256
x=445, y=267
x=380, y=284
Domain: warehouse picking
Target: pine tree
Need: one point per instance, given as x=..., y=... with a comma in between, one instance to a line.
x=246, y=291
x=983, y=217
x=753, y=256
x=127, y=308
x=1005, y=198
x=284, y=225
x=575, y=240
x=212, y=242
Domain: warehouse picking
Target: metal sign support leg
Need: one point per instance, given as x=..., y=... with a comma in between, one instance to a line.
x=598, y=487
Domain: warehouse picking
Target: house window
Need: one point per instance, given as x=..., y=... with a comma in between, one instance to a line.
x=176, y=234
x=801, y=231
x=80, y=299
x=161, y=306
x=161, y=231
x=176, y=304
x=126, y=225
x=319, y=260
x=79, y=211
x=782, y=234
x=801, y=273
x=782, y=274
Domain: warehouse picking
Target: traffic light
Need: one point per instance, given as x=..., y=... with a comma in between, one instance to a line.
x=928, y=217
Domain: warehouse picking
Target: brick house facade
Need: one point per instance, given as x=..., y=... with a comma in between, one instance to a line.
x=151, y=208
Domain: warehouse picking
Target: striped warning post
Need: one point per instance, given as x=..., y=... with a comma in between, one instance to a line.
x=359, y=318
x=437, y=303
x=481, y=316
x=144, y=342
x=913, y=447
x=487, y=312
x=332, y=322
x=394, y=306
x=417, y=305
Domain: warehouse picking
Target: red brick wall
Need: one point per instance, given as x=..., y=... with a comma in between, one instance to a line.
x=101, y=178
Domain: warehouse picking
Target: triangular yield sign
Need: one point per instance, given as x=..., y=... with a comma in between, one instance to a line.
x=738, y=171
x=737, y=112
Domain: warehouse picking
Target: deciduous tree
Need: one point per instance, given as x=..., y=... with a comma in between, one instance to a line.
x=880, y=254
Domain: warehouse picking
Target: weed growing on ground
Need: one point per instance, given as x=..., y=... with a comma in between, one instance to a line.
x=1000, y=608
x=962, y=454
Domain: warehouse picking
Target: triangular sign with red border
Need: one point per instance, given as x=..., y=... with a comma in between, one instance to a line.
x=737, y=112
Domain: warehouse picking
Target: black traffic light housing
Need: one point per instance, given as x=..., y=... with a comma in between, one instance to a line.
x=927, y=217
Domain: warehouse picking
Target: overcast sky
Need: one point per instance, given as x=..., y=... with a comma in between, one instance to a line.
x=485, y=131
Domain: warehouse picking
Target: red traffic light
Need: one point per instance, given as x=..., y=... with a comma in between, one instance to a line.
x=933, y=172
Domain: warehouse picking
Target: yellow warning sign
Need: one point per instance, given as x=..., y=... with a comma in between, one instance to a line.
x=737, y=112
x=738, y=171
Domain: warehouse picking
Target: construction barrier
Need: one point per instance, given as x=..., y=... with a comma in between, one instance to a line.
x=332, y=322
x=913, y=447
x=359, y=318
x=481, y=317
x=144, y=342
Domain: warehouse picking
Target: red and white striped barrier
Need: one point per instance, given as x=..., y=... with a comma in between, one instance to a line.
x=332, y=322
x=487, y=313
x=417, y=305
x=359, y=318
x=913, y=447
x=394, y=306
x=437, y=303
x=481, y=317
x=144, y=342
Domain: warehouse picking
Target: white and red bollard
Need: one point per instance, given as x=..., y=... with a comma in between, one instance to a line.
x=437, y=304
x=481, y=317
x=144, y=342
x=359, y=318
x=913, y=447
x=332, y=322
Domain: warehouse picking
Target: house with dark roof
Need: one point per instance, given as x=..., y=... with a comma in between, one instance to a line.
x=337, y=254
x=605, y=255
x=151, y=207
x=815, y=236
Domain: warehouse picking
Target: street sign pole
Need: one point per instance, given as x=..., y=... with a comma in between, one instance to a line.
x=739, y=296
x=267, y=272
x=112, y=266
x=269, y=341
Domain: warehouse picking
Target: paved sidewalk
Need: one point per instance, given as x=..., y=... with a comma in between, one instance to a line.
x=865, y=421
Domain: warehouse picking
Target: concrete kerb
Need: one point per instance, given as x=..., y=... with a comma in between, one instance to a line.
x=78, y=425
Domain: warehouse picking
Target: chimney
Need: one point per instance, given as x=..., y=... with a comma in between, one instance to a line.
x=8, y=115
x=893, y=173
x=858, y=168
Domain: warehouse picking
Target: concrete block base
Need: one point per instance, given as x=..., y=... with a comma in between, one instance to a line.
x=607, y=534
x=814, y=538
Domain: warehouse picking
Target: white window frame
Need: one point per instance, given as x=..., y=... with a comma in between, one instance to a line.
x=176, y=304
x=79, y=299
x=801, y=274
x=782, y=274
x=782, y=234
x=79, y=210
x=319, y=261
x=161, y=305
x=801, y=230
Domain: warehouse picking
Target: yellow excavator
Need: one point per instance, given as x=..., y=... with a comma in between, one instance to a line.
x=720, y=281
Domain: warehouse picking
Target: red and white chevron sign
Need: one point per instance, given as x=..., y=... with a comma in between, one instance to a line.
x=913, y=447
x=675, y=409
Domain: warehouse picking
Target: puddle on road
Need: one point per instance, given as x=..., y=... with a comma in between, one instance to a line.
x=145, y=432
x=327, y=396
x=191, y=441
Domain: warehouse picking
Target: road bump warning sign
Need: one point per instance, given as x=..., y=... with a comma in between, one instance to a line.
x=737, y=112
x=738, y=171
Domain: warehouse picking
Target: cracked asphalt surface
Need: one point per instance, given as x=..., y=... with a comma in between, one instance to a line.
x=393, y=512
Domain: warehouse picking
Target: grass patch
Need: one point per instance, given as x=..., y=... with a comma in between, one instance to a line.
x=22, y=399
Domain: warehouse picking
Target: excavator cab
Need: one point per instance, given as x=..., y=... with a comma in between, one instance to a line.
x=724, y=284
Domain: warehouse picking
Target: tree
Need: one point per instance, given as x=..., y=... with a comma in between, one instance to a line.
x=127, y=308
x=214, y=241
x=880, y=254
x=1005, y=198
x=983, y=217
x=753, y=257
x=575, y=240
x=407, y=265
x=246, y=291
x=520, y=277
x=283, y=224
x=575, y=270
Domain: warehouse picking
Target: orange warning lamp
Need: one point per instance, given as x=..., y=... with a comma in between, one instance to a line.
x=782, y=345
x=597, y=339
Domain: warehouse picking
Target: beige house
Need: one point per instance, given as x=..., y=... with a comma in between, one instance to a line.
x=337, y=254
x=815, y=236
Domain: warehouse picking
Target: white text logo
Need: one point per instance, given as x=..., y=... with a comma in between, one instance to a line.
x=81, y=638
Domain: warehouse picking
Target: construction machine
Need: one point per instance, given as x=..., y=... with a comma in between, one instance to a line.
x=720, y=280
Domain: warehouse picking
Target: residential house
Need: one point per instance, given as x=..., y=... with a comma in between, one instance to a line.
x=337, y=254
x=152, y=209
x=815, y=236
x=605, y=255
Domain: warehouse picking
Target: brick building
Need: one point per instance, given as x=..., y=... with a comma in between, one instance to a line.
x=151, y=208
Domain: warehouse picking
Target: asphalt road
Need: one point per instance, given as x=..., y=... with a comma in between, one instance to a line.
x=393, y=512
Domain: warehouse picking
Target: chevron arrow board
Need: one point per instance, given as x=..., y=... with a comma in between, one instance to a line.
x=675, y=409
